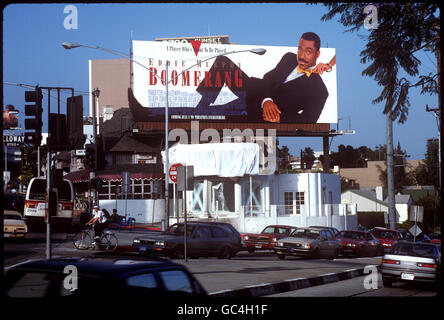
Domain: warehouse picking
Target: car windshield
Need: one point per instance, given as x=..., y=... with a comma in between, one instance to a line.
x=268, y=230
x=384, y=234
x=414, y=249
x=12, y=217
x=177, y=229
x=303, y=233
x=351, y=235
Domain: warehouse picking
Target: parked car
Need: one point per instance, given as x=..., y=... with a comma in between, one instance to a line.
x=387, y=237
x=203, y=239
x=267, y=238
x=411, y=261
x=313, y=242
x=13, y=224
x=435, y=238
x=97, y=279
x=360, y=243
x=334, y=230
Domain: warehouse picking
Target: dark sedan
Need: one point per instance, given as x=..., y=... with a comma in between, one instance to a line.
x=97, y=279
x=203, y=239
x=360, y=243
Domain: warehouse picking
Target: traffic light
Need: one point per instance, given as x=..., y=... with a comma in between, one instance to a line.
x=90, y=158
x=58, y=137
x=36, y=111
x=74, y=117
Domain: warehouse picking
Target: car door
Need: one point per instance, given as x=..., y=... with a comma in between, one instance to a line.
x=220, y=239
x=201, y=241
x=331, y=242
x=323, y=243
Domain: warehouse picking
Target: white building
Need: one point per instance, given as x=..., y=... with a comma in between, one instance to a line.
x=371, y=200
x=228, y=186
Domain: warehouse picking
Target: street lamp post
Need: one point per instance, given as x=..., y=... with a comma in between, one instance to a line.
x=70, y=45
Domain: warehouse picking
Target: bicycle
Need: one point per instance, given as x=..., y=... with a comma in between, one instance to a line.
x=107, y=242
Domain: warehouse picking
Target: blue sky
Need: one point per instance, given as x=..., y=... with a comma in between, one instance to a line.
x=32, y=54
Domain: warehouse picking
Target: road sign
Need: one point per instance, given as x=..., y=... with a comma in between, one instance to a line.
x=172, y=172
x=13, y=140
x=415, y=230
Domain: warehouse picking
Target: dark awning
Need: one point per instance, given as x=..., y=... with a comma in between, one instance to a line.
x=83, y=175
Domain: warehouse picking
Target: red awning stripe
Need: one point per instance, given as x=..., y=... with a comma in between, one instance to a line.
x=83, y=176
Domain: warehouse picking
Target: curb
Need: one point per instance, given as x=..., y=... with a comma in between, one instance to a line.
x=265, y=289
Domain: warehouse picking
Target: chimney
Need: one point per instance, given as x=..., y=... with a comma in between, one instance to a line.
x=379, y=193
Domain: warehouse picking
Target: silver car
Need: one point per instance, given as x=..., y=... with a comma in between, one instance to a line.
x=411, y=261
x=313, y=242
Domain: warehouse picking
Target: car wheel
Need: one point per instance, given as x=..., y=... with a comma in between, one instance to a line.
x=281, y=256
x=225, y=253
x=387, y=282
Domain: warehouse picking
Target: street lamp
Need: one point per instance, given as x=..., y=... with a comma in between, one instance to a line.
x=70, y=45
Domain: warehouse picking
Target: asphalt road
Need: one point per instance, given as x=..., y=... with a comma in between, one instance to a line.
x=357, y=287
x=258, y=274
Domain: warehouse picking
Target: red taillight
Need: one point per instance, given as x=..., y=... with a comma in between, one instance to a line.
x=427, y=265
x=31, y=205
x=66, y=206
x=390, y=261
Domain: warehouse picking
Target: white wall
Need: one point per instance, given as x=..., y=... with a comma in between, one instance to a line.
x=364, y=204
x=144, y=210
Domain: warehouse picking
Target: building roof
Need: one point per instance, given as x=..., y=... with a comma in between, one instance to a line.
x=136, y=145
x=401, y=198
x=368, y=194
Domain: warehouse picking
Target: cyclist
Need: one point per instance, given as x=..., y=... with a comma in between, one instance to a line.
x=100, y=222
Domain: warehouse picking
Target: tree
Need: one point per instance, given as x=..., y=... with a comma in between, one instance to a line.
x=402, y=30
x=308, y=158
x=29, y=162
x=401, y=179
x=427, y=171
x=349, y=157
x=283, y=155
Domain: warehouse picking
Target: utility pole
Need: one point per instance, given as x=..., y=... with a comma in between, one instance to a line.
x=390, y=176
x=95, y=96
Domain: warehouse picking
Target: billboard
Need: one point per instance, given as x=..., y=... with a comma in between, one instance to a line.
x=203, y=39
x=10, y=118
x=219, y=83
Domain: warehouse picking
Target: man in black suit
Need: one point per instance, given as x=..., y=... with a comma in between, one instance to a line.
x=293, y=90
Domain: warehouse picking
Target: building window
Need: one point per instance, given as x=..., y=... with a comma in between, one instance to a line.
x=138, y=189
x=253, y=203
x=293, y=201
x=222, y=196
x=288, y=202
x=300, y=201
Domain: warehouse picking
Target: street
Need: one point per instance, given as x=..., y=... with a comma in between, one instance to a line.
x=258, y=274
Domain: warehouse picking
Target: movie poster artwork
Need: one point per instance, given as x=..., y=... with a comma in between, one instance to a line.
x=227, y=82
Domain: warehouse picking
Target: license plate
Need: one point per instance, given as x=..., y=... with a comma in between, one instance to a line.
x=142, y=249
x=6, y=235
x=259, y=246
x=407, y=276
